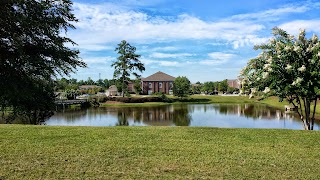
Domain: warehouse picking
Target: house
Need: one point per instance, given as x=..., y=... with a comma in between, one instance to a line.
x=87, y=87
x=235, y=83
x=112, y=91
x=158, y=82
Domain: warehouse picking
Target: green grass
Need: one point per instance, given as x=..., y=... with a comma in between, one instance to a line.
x=45, y=152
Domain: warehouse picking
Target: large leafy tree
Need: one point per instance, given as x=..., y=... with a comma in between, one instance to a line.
x=223, y=85
x=33, y=51
x=181, y=86
x=127, y=64
x=288, y=67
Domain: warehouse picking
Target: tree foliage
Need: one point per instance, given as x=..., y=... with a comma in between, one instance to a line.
x=33, y=51
x=127, y=64
x=288, y=67
x=181, y=86
x=223, y=85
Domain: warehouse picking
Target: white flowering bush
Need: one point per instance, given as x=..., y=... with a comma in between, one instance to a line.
x=287, y=67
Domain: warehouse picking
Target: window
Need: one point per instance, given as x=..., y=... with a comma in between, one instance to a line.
x=160, y=85
x=150, y=85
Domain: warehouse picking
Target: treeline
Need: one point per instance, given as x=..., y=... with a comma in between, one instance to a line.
x=64, y=84
x=210, y=87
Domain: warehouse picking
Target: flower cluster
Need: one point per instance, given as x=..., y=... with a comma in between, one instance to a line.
x=302, y=68
x=297, y=81
x=266, y=90
x=289, y=67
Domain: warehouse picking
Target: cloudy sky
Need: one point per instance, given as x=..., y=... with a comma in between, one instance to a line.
x=205, y=40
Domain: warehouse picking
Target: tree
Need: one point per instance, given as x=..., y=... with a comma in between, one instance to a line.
x=127, y=64
x=288, y=67
x=89, y=81
x=223, y=86
x=137, y=86
x=181, y=86
x=33, y=52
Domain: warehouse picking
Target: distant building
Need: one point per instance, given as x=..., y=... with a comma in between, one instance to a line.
x=87, y=87
x=112, y=91
x=235, y=83
x=158, y=82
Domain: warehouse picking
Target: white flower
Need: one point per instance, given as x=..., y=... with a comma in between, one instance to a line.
x=299, y=80
x=279, y=56
x=318, y=54
x=314, y=38
x=296, y=48
x=266, y=90
x=242, y=71
x=301, y=31
x=289, y=67
x=258, y=79
x=253, y=90
x=265, y=75
x=266, y=66
x=250, y=96
x=287, y=48
x=308, y=49
x=293, y=83
x=272, y=40
x=269, y=69
x=269, y=60
x=311, y=61
x=301, y=34
x=302, y=68
x=241, y=91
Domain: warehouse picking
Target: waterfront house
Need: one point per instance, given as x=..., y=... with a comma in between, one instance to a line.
x=112, y=91
x=157, y=82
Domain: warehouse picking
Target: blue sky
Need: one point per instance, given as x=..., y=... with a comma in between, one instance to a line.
x=205, y=40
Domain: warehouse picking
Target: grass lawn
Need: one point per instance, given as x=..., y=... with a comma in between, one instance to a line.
x=46, y=152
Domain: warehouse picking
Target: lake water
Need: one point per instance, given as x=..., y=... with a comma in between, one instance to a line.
x=205, y=115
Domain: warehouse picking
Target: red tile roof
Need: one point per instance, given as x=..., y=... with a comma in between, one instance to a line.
x=159, y=76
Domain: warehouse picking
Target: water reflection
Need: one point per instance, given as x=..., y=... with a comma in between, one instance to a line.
x=213, y=115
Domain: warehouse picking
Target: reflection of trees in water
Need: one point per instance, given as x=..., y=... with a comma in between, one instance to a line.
x=122, y=119
x=255, y=111
x=71, y=114
x=181, y=116
x=156, y=116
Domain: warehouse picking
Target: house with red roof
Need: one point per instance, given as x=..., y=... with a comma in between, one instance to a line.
x=157, y=82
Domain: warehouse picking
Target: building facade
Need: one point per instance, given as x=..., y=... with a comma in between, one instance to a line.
x=158, y=82
x=235, y=83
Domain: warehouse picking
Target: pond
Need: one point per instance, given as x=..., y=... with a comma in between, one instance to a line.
x=205, y=115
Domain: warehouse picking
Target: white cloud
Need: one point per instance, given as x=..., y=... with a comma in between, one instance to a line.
x=272, y=14
x=101, y=24
x=166, y=48
x=294, y=26
x=95, y=47
x=98, y=60
x=173, y=55
x=161, y=63
x=216, y=58
x=220, y=55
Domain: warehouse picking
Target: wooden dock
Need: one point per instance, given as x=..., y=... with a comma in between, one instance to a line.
x=290, y=108
x=65, y=103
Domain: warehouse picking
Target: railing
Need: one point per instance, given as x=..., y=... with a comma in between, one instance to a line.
x=69, y=102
